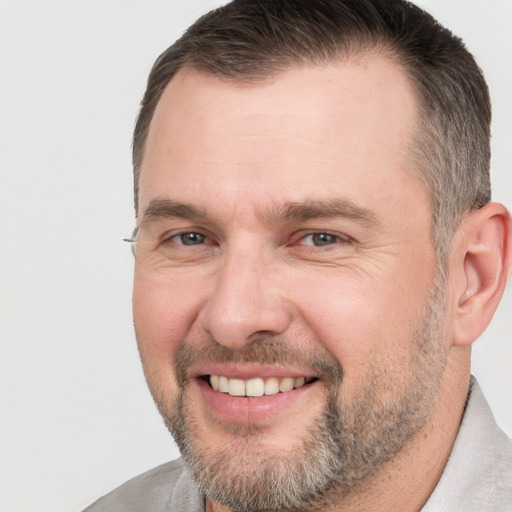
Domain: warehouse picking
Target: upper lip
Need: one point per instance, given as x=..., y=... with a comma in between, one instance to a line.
x=247, y=371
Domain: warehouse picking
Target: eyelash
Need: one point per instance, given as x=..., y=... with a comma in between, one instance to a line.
x=329, y=238
x=332, y=239
x=185, y=233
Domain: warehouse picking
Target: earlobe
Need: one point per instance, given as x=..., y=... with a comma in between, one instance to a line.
x=485, y=257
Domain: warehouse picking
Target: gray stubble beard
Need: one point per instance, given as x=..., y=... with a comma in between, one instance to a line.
x=341, y=450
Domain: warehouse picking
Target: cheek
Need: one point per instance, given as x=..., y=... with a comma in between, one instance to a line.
x=360, y=319
x=340, y=318
x=163, y=312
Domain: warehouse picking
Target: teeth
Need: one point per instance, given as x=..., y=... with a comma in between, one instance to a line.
x=236, y=387
x=286, y=385
x=223, y=384
x=256, y=387
x=299, y=382
x=271, y=386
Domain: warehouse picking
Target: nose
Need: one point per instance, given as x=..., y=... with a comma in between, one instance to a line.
x=246, y=301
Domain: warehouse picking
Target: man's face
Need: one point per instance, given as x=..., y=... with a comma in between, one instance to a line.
x=284, y=245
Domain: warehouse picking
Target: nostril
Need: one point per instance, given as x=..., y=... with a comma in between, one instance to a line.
x=264, y=333
x=240, y=308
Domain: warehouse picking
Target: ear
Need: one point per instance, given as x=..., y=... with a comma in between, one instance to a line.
x=482, y=260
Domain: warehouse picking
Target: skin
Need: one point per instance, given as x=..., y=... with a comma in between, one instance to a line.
x=240, y=155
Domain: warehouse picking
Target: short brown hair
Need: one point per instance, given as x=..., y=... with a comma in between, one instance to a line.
x=251, y=40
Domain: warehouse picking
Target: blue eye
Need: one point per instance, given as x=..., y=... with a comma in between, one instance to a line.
x=190, y=238
x=320, y=239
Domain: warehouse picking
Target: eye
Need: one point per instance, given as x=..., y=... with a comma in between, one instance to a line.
x=321, y=239
x=189, y=238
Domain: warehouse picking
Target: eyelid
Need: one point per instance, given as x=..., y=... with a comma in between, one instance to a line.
x=296, y=238
x=175, y=234
x=303, y=234
x=333, y=239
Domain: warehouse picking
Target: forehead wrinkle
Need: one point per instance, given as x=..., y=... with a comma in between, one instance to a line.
x=332, y=208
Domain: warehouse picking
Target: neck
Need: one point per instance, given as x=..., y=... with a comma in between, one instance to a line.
x=406, y=483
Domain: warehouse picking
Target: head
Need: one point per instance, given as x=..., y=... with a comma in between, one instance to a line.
x=301, y=169
x=252, y=41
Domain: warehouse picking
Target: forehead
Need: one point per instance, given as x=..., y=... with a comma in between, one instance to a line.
x=343, y=126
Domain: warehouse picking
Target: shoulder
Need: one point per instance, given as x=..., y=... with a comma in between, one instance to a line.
x=149, y=491
x=478, y=475
x=489, y=451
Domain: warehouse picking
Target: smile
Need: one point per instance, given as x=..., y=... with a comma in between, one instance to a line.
x=256, y=387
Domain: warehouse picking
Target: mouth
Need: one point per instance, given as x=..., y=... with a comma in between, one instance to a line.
x=238, y=394
x=257, y=386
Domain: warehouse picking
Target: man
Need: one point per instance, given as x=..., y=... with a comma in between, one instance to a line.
x=316, y=251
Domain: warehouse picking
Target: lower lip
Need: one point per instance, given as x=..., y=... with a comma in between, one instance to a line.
x=248, y=410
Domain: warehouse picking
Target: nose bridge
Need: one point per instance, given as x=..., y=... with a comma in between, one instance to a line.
x=244, y=301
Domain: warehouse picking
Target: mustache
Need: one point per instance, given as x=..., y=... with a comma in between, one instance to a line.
x=262, y=350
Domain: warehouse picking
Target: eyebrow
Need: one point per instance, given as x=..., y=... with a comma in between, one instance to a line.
x=288, y=212
x=333, y=208
x=166, y=208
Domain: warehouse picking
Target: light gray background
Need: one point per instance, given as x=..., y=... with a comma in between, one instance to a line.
x=76, y=418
